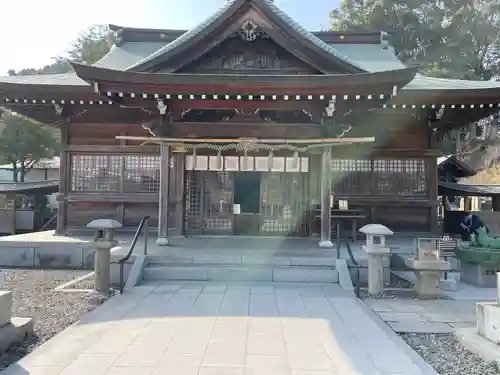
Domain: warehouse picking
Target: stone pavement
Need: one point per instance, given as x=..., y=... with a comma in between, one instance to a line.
x=429, y=316
x=218, y=329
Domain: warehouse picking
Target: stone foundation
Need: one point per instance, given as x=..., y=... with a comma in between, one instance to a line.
x=483, y=275
x=488, y=321
x=12, y=330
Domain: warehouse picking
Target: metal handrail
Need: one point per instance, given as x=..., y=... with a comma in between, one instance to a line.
x=355, y=263
x=47, y=223
x=142, y=224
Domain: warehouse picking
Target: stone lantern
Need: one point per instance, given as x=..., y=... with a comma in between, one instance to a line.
x=376, y=249
x=103, y=243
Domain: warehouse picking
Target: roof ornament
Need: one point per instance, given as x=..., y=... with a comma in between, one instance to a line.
x=330, y=108
x=439, y=113
x=248, y=31
x=58, y=108
x=162, y=107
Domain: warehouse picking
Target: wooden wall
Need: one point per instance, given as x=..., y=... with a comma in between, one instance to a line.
x=407, y=140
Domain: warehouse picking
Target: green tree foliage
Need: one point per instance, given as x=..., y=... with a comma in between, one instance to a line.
x=24, y=142
x=445, y=38
x=89, y=47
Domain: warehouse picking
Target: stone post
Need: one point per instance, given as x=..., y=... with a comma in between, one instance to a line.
x=376, y=249
x=103, y=245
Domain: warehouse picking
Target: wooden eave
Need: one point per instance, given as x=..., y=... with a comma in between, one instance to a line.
x=439, y=97
x=218, y=29
x=120, y=81
x=135, y=34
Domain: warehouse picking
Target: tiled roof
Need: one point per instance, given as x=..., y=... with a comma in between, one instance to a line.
x=20, y=187
x=209, y=21
x=120, y=58
x=310, y=36
x=184, y=37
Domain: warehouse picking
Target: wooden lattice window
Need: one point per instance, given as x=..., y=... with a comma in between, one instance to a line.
x=394, y=177
x=141, y=174
x=400, y=177
x=351, y=177
x=95, y=172
x=115, y=173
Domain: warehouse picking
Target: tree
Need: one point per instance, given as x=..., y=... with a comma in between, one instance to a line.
x=24, y=142
x=89, y=47
x=444, y=38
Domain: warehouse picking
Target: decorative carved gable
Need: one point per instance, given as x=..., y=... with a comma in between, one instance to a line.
x=253, y=53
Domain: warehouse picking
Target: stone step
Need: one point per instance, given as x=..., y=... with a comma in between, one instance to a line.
x=222, y=272
x=250, y=259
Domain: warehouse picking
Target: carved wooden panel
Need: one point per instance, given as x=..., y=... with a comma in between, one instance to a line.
x=257, y=57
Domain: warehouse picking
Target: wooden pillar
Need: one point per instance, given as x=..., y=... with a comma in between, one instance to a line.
x=432, y=184
x=164, y=192
x=177, y=193
x=326, y=222
x=64, y=176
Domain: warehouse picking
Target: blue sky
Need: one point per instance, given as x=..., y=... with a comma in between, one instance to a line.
x=44, y=29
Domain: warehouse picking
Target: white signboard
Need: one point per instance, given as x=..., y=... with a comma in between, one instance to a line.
x=236, y=209
x=343, y=206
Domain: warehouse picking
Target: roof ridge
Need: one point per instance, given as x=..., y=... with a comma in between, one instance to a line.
x=309, y=35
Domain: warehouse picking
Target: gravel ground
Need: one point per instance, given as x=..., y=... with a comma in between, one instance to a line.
x=34, y=296
x=447, y=356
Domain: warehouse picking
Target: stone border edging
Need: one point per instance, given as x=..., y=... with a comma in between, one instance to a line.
x=345, y=280
x=412, y=354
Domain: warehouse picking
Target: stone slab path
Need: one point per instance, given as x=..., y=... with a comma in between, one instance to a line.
x=433, y=316
x=218, y=329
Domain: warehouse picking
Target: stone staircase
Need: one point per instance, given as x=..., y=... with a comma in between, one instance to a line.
x=242, y=265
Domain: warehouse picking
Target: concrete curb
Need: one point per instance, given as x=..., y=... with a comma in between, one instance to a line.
x=477, y=344
x=413, y=355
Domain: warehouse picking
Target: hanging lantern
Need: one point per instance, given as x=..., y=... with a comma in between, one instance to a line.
x=219, y=160
x=270, y=160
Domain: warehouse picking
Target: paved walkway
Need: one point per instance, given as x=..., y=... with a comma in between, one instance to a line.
x=432, y=316
x=216, y=329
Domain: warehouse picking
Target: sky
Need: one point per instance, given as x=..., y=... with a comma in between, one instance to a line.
x=43, y=29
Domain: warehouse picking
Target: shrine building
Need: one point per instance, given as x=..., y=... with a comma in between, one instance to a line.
x=248, y=124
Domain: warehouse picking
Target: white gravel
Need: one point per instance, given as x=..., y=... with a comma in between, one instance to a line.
x=447, y=356
x=34, y=296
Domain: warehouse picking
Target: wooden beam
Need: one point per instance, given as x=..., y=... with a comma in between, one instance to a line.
x=120, y=149
x=113, y=197
x=317, y=141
